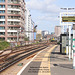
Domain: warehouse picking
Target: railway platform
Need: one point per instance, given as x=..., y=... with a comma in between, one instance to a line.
x=39, y=65
x=60, y=64
x=48, y=62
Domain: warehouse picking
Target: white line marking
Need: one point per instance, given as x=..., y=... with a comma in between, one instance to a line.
x=28, y=63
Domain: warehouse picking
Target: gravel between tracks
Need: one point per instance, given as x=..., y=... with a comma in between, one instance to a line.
x=13, y=70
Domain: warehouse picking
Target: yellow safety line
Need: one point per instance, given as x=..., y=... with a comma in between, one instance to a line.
x=47, y=54
x=51, y=51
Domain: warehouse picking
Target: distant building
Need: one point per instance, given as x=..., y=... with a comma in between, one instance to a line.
x=52, y=33
x=39, y=32
x=33, y=34
x=47, y=37
x=57, y=30
x=44, y=33
x=39, y=35
x=28, y=24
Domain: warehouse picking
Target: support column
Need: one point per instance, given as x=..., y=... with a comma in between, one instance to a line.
x=6, y=22
x=66, y=50
x=69, y=42
x=17, y=36
x=73, y=49
x=63, y=29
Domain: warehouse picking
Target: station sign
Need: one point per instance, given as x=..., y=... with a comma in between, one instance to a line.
x=68, y=18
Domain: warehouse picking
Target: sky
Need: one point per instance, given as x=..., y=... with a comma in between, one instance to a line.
x=45, y=12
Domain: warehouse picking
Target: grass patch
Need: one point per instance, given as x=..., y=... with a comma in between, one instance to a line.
x=4, y=45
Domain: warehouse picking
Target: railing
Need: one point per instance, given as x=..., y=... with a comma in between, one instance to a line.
x=15, y=18
x=14, y=13
x=15, y=2
x=12, y=34
x=2, y=24
x=14, y=7
x=13, y=24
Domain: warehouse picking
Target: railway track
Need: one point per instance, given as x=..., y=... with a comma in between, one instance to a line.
x=17, y=48
x=14, y=56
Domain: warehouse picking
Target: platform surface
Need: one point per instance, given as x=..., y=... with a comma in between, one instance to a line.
x=41, y=64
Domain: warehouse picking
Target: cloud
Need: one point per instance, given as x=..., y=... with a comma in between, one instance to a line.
x=44, y=12
x=49, y=17
x=46, y=6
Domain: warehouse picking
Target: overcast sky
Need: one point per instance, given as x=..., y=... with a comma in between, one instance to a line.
x=45, y=12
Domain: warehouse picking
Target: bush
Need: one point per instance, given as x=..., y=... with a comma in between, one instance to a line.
x=26, y=39
x=58, y=43
x=4, y=45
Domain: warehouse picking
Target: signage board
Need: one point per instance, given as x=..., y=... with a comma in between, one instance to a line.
x=68, y=18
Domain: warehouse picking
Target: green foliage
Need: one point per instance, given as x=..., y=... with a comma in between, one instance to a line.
x=26, y=39
x=4, y=45
x=49, y=40
x=2, y=40
x=18, y=46
x=37, y=42
x=58, y=43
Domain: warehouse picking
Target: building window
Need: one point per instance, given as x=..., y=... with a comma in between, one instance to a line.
x=2, y=11
x=2, y=33
x=1, y=38
x=2, y=1
x=2, y=17
x=2, y=28
x=2, y=6
x=2, y=22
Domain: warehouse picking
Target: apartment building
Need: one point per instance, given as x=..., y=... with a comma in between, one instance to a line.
x=12, y=20
x=28, y=24
x=39, y=34
x=57, y=30
x=44, y=33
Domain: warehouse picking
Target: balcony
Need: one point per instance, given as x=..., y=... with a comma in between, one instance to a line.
x=11, y=30
x=14, y=13
x=11, y=40
x=12, y=34
x=2, y=19
x=17, y=20
x=13, y=17
x=14, y=2
x=2, y=35
x=2, y=30
x=2, y=8
x=13, y=24
x=14, y=9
